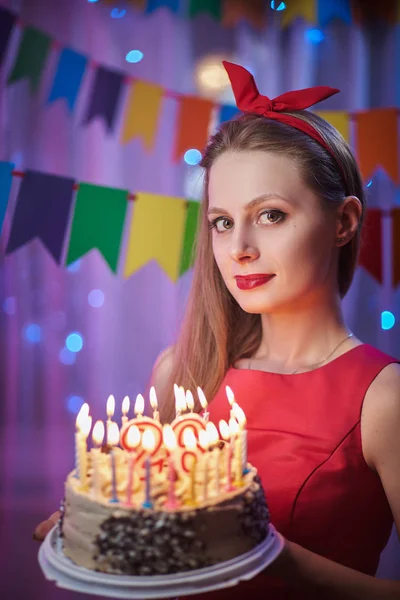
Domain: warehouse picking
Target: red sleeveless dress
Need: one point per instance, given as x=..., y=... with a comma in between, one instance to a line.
x=304, y=438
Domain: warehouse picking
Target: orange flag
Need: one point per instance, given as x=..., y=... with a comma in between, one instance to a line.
x=396, y=246
x=371, y=244
x=142, y=112
x=376, y=141
x=234, y=11
x=193, y=122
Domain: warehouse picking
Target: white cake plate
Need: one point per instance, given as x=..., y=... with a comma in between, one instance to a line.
x=66, y=574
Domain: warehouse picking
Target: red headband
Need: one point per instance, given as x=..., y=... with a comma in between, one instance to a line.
x=249, y=100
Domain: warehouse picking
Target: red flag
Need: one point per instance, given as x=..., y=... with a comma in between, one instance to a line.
x=371, y=244
x=194, y=117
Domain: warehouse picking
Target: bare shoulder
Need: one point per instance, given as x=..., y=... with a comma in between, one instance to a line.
x=162, y=369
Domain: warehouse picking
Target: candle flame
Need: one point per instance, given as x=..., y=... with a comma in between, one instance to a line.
x=224, y=429
x=239, y=415
x=153, y=398
x=189, y=439
x=180, y=401
x=204, y=439
x=169, y=437
x=234, y=427
x=113, y=434
x=189, y=400
x=139, y=405
x=125, y=405
x=110, y=406
x=202, y=398
x=212, y=432
x=98, y=433
x=86, y=426
x=148, y=440
x=82, y=415
x=133, y=437
x=230, y=395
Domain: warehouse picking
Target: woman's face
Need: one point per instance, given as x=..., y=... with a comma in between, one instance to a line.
x=265, y=220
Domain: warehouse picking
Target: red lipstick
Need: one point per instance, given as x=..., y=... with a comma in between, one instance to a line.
x=248, y=282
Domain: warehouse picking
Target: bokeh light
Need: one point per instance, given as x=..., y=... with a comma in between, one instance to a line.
x=117, y=13
x=192, y=156
x=74, y=342
x=315, y=36
x=74, y=404
x=96, y=298
x=387, y=319
x=210, y=74
x=10, y=305
x=33, y=333
x=67, y=357
x=134, y=56
x=277, y=5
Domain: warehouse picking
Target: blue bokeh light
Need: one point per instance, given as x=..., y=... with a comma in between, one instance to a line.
x=192, y=156
x=67, y=357
x=74, y=404
x=10, y=305
x=277, y=5
x=96, y=298
x=116, y=13
x=387, y=319
x=315, y=36
x=92, y=1
x=369, y=183
x=134, y=56
x=75, y=266
x=74, y=342
x=33, y=333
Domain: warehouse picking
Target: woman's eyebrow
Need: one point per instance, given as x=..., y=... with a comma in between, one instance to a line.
x=252, y=204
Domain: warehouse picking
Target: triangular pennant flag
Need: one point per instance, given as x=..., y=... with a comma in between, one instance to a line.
x=371, y=11
x=142, y=113
x=212, y=7
x=376, y=141
x=227, y=112
x=371, y=244
x=105, y=96
x=330, y=10
x=235, y=11
x=156, y=233
x=340, y=119
x=7, y=22
x=191, y=226
x=43, y=208
x=193, y=122
x=305, y=9
x=32, y=54
x=396, y=246
x=6, y=170
x=98, y=222
x=173, y=5
x=67, y=81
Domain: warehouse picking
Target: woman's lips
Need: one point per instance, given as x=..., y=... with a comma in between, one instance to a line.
x=252, y=281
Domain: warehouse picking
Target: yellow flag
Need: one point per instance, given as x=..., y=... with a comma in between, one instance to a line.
x=339, y=119
x=299, y=8
x=142, y=111
x=156, y=232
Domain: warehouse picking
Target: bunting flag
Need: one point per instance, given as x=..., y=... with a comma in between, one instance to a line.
x=194, y=116
x=6, y=170
x=7, y=22
x=327, y=11
x=211, y=7
x=43, y=208
x=105, y=96
x=98, y=222
x=305, y=9
x=338, y=119
x=376, y=141
x=67, y=81
x=31, y=57
x=371, y=256
x=191, y=226
x=173, y=5
x=142, y=112
x=227, y=112
x=156, y=233
x=396, y=247
x=234, y=11
x=365, y=11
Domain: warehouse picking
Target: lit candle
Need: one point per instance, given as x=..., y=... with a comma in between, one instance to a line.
x=190, y=443
x=226, y=435
x=148, y=444
x=180, y=401
x=231, y=399
x=205, y=444
x=237, y=445
x=139, y=406
x=125, y=409
x=110, y=412
x=133, y=441
x=97, y=437
x=113, y=439
x=83, y=413
x=154, y=403
x=241, y=418
x=170, y=443
x=189, y=400
x=213, y=437
x=204, y=404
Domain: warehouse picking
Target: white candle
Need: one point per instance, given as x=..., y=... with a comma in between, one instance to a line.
x=148, y=443
x=133, y=441
x=154, y=403
x=241, y=418
x=97, y=437
x=125, y=409
x=83, y=413
x=180, y=400
x=213, y=438
x=231, y=399
x=205, y=444
x=170, y=443
x=204, y=404
x=190, y=443
x=113, y=439
x=139, y=406
x=226, y=435
x=110, y=409
x=237, y=451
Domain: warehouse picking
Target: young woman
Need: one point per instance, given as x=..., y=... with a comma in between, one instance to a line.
x=277, y=249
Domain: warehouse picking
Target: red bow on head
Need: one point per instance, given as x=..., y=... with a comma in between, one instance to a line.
x=248, y=99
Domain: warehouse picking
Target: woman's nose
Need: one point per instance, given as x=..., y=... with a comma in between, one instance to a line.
x=242, y=251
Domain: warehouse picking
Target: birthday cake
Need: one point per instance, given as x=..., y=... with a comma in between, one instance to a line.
x=157, y=500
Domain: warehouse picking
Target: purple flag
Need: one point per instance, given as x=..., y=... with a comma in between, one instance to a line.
x=105, y=96
x=42, y=211
x=7, y=22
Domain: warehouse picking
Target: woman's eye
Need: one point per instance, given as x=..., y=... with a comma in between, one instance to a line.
x=221, y=224
x=272, y=216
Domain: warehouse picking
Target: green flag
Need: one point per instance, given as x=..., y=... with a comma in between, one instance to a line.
x=31, y=57
x=98, y=223
x=212, y=7
x=192, y=217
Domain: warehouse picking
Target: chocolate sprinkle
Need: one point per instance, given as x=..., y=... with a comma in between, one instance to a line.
x=255, y=516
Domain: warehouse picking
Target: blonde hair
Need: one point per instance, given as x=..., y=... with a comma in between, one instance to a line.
x=216, y=332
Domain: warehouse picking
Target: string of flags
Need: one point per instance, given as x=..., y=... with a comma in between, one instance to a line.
x=375, y=131
x=72, y=218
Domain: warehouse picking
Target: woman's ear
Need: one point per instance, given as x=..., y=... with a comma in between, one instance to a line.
x=348, y=219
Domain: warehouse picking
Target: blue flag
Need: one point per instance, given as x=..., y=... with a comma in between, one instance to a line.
x=227, y=112
x=67, y=81
x=328, y=10
x=173, y=5
x=5, y=187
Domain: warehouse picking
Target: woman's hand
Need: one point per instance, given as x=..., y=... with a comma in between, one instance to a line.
x=44, y=527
